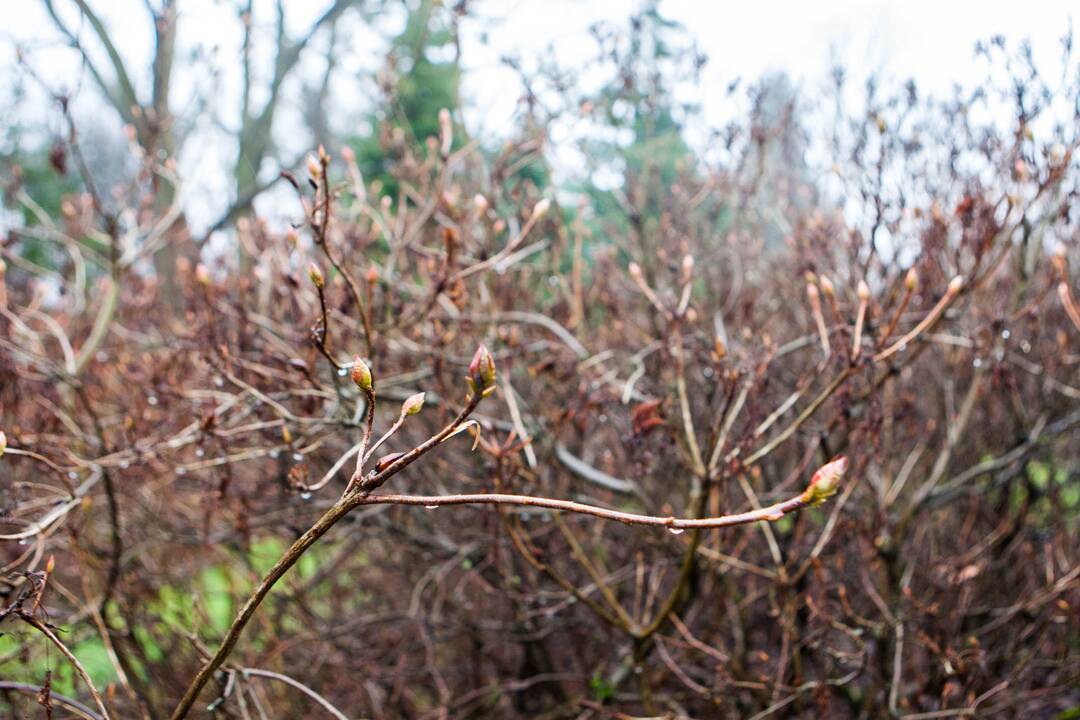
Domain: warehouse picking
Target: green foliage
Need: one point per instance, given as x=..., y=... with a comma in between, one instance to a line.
x=601, y=689
x=47, y=188
x=423, y=87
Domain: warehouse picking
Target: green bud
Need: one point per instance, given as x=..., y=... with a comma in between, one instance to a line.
x=413, y=405
x=361, y=374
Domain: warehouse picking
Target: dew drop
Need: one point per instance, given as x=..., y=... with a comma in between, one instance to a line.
x=181, y=471
x=124, y=464
x=219, y=381
x=430, y=507
x=297, y=457
x=23, y=542
x=552, y=280
x=199, y=452
x=1005, y=334
x=676, y=531
x=73, y=475
x=274, y=453
x=1025, y=346
x=305, y=495
x=903, y=348
x=152, y=400
x=343, y=372
x=707, y=372
x=977, y=362
x=602, y=418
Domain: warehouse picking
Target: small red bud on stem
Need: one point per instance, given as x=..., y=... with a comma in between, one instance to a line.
x=482, y=372
x=825, y=482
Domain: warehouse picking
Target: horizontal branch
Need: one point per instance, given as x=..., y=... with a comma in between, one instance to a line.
x=770, y=513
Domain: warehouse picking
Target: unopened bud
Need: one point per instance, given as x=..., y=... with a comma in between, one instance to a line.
x=540, y=209
x=50, y=565
x=202, y=275
x=316, y=275
x=812, y=293
x=955, y=284
x=313, y=168
x=387, y=460
x=372, y=275
x=911, y=280
x=347, y=154
x=826, y=481
x=323, y=156
x=446, y=132
x=827, y=286
x=863, y=291
x=635, y=270
x=687, y=267
x=413, y=405
x=482, y=372
x=361, y=374
x=1057, y=260
x=3, y=443
x=480, y=203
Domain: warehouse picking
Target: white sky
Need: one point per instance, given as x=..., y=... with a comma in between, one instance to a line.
x=931, y=42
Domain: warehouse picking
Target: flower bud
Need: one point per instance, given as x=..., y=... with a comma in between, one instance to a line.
x=955, y=284
x=323, y=156
x=3, y=443
x=316, y=275
x=387, y=460
x=827, y=286
x=361, y=374
x=480, y=203
x=482, y=371
x=911, y=280
x=413, y=405
x=635, y=270
x=347, y=154
x=202, y=275
x=50, y=565
x=863, y=291
x=313, y=168
x=446, y=132
x=687, y=268
x=540, y=209
x=826, y=481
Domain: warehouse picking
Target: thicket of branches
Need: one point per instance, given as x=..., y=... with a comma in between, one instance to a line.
x=712, y=444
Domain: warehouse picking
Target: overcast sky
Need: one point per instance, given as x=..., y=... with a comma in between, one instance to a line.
x=931, y=42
